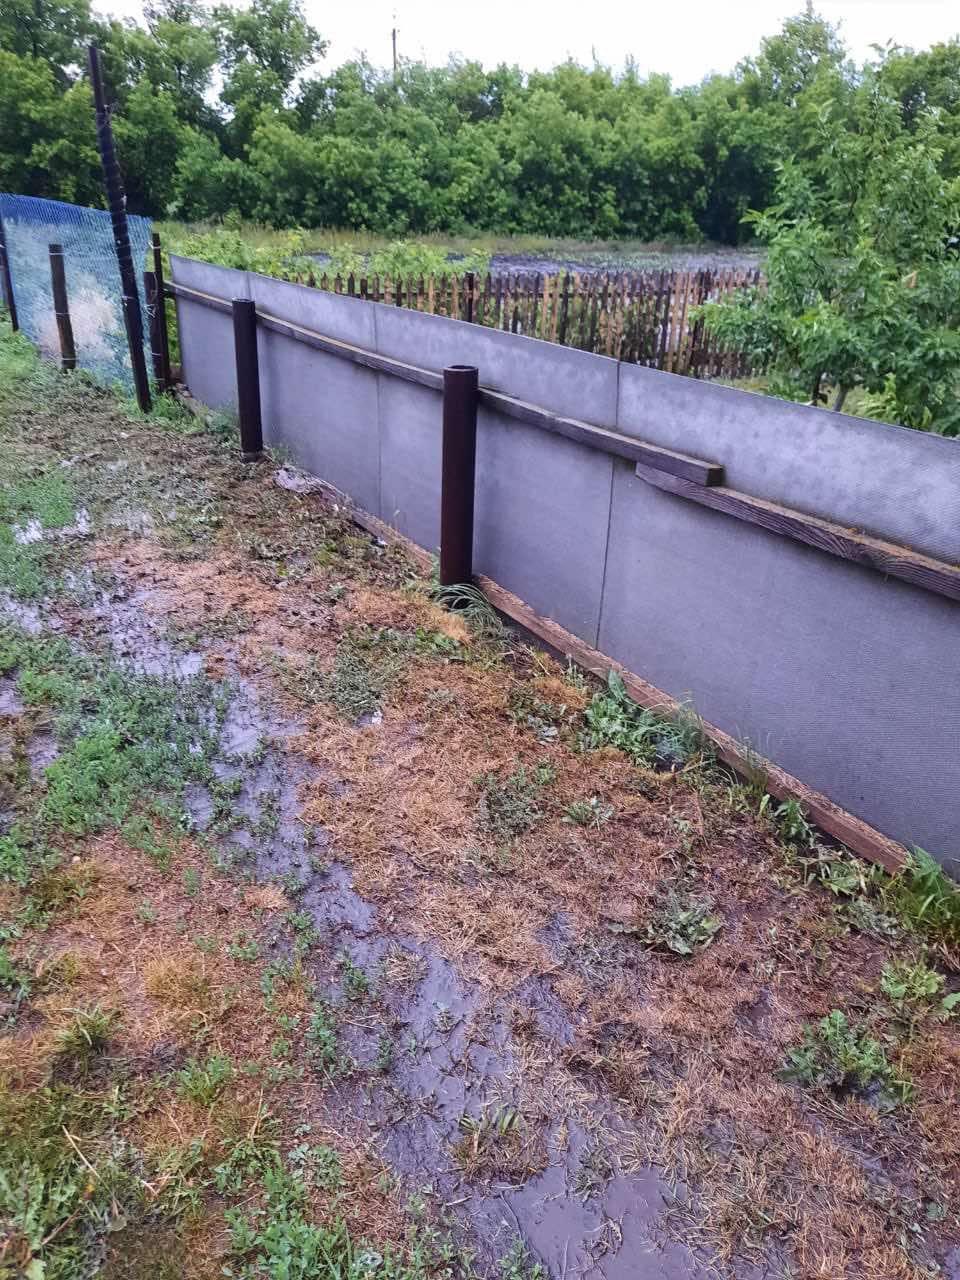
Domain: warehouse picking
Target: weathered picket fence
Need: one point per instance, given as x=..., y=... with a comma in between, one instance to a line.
x=644, y=317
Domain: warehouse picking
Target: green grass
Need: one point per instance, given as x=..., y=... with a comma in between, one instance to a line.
x=127, y=739
x=321, y=1039
x=32, y=506
x=356, y=984
x=83, y=1040
x=337, y=240
x=915, y=992
x=204, y=1081
x=588, y=813
x=15, y=984
x=56, y=1213
x=278, y=1241
x=926, y=899
x=368, y=663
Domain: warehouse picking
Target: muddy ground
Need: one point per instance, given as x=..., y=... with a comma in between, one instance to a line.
x=347, y=933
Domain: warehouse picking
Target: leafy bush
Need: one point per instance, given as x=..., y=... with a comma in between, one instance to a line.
x=843, y=1057
x=225, y=247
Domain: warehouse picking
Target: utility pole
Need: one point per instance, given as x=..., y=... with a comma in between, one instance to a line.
x=117, y=202
x=393, y=37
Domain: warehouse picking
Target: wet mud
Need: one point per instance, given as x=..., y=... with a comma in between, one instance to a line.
x=459, y=1085
x=478, y=1098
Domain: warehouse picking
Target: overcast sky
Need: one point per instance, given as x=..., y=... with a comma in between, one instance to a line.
x=685, y=38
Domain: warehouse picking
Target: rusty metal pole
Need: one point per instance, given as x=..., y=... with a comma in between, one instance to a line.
x=117, y=201
x=155, y=322
x=61, y=308
x=458, y=473
x=8, y=280
x=248, y=379
x=165, y=381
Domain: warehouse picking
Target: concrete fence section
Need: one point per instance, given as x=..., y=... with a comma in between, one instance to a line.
x=844, y=676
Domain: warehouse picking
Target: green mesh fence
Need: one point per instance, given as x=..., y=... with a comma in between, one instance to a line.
x=30, y=226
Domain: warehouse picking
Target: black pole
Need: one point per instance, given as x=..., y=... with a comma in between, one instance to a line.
x=458, y=470
x=166, y=380
x=155, y=318
x=117, y=201
x=61, y=308
x=248, y=379
x=8, y=280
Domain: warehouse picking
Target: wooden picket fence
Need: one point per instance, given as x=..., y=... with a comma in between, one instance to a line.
x=644, y=317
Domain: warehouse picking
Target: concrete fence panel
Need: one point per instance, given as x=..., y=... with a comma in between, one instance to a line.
x=542, y=509
x=410, y=460
x=891, y=482
x=841, y=676
x=844, y=676
x=322, y=408
x=206, y=336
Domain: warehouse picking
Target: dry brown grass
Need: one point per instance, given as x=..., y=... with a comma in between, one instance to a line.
x=173, y=1001
x=403, y=610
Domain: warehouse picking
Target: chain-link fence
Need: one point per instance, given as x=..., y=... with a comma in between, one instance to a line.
x=94, y=294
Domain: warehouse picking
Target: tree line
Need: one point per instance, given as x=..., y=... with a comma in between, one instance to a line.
x=228, y=111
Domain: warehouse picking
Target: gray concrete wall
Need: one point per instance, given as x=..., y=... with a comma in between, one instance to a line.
x=845, y=678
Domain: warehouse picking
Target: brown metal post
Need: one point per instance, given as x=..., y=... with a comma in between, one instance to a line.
x=248, y=379
x=8, y=280
x=155, y=322
x=163, y=375
x=458, y=473
x=61, y=308
x=117, y=202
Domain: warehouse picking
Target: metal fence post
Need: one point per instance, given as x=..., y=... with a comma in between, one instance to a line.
x=458, y=472
x=248, y=379
x=164, y=377
x=61, y=308
x=117, y=201
x=154, y=318
x=8, y=280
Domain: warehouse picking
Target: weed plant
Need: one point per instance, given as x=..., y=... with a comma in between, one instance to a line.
x=613, y=719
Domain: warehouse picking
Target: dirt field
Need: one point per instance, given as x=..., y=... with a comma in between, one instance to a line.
x=345, y=935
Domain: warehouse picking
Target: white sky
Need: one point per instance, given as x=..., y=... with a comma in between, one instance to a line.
x=685, y=38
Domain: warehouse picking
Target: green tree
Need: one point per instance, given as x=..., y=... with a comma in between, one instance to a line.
x=863, y=277
x=186, y=41
x=208, y=184
x=149, y=136
x=263, y=49
x=52, y=31
x=55, y=147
